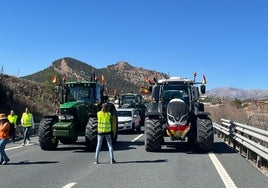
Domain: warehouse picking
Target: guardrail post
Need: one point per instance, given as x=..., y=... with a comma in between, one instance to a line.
x=240, y=145
x=232, y=135
x=240, y=149
x=248, y=154
x=248, y=151
x=259, y=159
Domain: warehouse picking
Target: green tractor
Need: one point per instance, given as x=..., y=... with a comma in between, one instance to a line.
x=175, y=112
x=77, y=116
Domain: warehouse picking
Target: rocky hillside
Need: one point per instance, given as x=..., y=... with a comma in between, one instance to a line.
x=19, y=93
x=135, y=75
x=121, y=76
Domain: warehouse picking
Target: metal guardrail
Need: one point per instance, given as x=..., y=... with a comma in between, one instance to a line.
x=250, y=140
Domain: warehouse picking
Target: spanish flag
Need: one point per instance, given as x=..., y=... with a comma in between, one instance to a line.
x=54, y=79
x=64, y=78
x=115, y=92
x=144, y=90
x=148, y=80
x=106, y=91
x=204, y=81
x=103, y=79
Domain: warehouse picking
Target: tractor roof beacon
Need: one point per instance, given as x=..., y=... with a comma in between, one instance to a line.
x=175, y=112
x=77, y=115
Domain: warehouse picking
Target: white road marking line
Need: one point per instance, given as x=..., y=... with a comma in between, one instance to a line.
x=69, y=185
x=136, y=138
x=228, y=182
x=16, y=147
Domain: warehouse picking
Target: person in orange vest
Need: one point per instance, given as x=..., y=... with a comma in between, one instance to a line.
x=4, y=137
x=27, y=123
x=104, y=129
x=12, y=118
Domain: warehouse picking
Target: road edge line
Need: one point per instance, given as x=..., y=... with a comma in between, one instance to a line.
x=227, y=180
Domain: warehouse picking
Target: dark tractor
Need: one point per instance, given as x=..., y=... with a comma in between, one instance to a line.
x=175, y=112
x=77, y=116
x=131, y=100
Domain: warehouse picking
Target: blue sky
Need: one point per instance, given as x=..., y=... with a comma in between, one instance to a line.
x=227, y=40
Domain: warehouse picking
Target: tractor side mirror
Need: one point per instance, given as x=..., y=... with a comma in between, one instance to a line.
x=150, y=88
x=155, y=93
x=203, y=89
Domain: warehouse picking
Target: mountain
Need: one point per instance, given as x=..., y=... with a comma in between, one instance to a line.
x=235, y=93
x=121, y=76
x=35, y=91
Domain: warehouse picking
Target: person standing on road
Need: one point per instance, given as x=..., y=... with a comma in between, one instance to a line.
x=4, y=137
x=12, y=118
x=104, y=129
x=27, y=123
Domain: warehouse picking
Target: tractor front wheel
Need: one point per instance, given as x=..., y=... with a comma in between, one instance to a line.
x=153, y=135
x=46, y=139
x=204, y=134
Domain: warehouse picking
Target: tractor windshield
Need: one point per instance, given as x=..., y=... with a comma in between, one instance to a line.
x=128, y=99
x=81, y=92
x=175, y=91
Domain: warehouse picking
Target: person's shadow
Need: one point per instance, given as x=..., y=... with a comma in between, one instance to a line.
x=137, y=162
x=26, y=162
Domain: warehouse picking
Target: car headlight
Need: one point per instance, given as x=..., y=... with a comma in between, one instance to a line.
x=66, y=117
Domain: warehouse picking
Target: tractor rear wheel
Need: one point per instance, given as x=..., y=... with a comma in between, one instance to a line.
x=204, y=134
x=114, y=123
x=46, y=139
x=153, y=135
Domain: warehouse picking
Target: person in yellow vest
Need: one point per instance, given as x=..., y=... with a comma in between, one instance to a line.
x=27, y=123
x=4, y=137
x=12, y=118
x=104, y=129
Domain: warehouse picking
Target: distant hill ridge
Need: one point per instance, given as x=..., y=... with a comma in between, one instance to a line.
x=127, y=78
x=235, y=93
x=122, y=76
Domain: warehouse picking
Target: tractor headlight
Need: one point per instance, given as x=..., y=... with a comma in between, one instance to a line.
x=66, y=117
x=127, y=122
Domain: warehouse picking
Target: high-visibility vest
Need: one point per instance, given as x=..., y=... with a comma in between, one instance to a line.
x=104, y=122
x=12, y=119
x=27, y=119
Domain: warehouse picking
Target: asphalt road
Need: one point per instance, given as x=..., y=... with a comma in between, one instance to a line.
x=175, y=166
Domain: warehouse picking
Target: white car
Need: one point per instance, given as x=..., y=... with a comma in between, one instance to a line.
x=128, y=119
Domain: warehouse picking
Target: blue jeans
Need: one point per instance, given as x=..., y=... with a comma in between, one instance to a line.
x=99, y=144
x=26, y=133
x=3, y=143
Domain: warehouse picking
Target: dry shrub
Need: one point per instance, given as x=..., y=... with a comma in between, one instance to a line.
x=247, y=113
x=226, y=110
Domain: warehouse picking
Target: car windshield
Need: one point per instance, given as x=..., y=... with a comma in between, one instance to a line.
x=124, y=113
